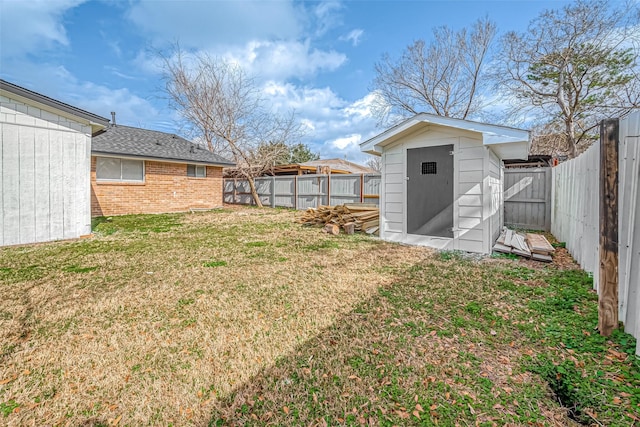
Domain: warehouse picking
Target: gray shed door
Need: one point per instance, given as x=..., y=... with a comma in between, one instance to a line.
x=430, y=191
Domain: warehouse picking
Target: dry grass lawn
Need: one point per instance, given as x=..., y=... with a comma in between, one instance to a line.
x=242, y=317
x=151, y=324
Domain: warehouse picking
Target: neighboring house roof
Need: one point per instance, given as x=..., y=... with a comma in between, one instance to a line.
x=151, y=144
x=339, y=165
x=506, y=142
x=96, y=122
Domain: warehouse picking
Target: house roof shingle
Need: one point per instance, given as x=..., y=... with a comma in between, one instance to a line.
x=136, y=142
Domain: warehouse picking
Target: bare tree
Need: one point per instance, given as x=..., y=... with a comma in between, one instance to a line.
x=444, y=76
x=577, y=66
x=375, y=163
x=224, y=108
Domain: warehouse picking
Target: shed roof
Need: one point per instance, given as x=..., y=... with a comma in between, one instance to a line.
x=506, y=142
x=339, y=164
x=96, y=122
x=135, y=142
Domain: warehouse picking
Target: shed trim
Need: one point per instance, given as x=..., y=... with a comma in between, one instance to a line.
x=25, y=94
x=508, y=142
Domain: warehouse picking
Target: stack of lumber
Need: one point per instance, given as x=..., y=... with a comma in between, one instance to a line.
x=534, y=246
x=351, y=217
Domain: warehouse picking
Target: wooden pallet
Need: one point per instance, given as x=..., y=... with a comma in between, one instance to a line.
x=532, y=246
x=355, y=216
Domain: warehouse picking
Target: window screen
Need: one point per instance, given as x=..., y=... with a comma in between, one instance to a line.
x=197, y=171
x=429, y=168
x=132, y=170
x=111, y=169
x=107, y=168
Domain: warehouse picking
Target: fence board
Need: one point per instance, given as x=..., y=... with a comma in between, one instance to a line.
x=527, y=198
x=629, y=226
x=306, y=191
x=575, y=217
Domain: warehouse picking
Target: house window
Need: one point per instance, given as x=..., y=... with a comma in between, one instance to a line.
x=429, y=168
x=197, y=170
x=113, y=169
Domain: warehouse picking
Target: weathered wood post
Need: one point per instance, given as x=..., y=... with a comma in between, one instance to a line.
x=273, y=191
x=608, y=287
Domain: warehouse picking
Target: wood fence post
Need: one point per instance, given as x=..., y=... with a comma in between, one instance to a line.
x=235, y=191
x=295, y=192
x=361, y=188
x=608, y=286
x=273, y=191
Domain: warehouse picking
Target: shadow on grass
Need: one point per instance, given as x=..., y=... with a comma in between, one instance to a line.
x=433, y=348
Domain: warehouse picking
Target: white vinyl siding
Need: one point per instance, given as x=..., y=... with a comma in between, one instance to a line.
x=45, y=175
x=470, y=161
x=496, y=190
x=115, y=169
x=478, y=190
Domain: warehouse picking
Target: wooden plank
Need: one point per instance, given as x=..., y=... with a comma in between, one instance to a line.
x=542, y=257
x=608, y=295
x=27, y=185
x=508, y=237
x=539, y=244
x=11, y=184
x=498, y=247
x=43, y=213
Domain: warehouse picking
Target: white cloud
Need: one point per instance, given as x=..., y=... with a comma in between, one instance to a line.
x=335, y=127
x=281, y=60
x=327, y=16
x=354, y=36
x=62, y=85
x=346, y=141
x=30, y=26
x=205, y=23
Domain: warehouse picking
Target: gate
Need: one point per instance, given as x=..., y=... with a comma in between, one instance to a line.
x=527, y=198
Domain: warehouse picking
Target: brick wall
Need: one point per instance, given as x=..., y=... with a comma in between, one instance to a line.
x=166, y=188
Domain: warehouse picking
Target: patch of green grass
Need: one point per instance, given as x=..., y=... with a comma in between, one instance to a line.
x=257, y=244
x=8, y=407
x=77, y=269
x=186, y=301
x=325, y=244
x=136, y=223
x=451, y=255
x=21, y=274
x=500, y=255
x=215, y=263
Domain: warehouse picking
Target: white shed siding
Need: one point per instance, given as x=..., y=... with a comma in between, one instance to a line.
x=393, y=193
x=496, y=189
x=470, y=167
x=45, y=175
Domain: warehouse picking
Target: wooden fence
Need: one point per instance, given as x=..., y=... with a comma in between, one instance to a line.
x=575, y=217
x=527, y=198
x=305, y=191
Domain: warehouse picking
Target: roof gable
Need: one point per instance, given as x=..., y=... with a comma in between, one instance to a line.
x=135, y=142
x=507, y=142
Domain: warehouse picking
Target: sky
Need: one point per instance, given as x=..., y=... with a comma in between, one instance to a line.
x=314, y=58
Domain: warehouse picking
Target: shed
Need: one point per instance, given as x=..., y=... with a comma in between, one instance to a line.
x=45, y=159
x=442, y=180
